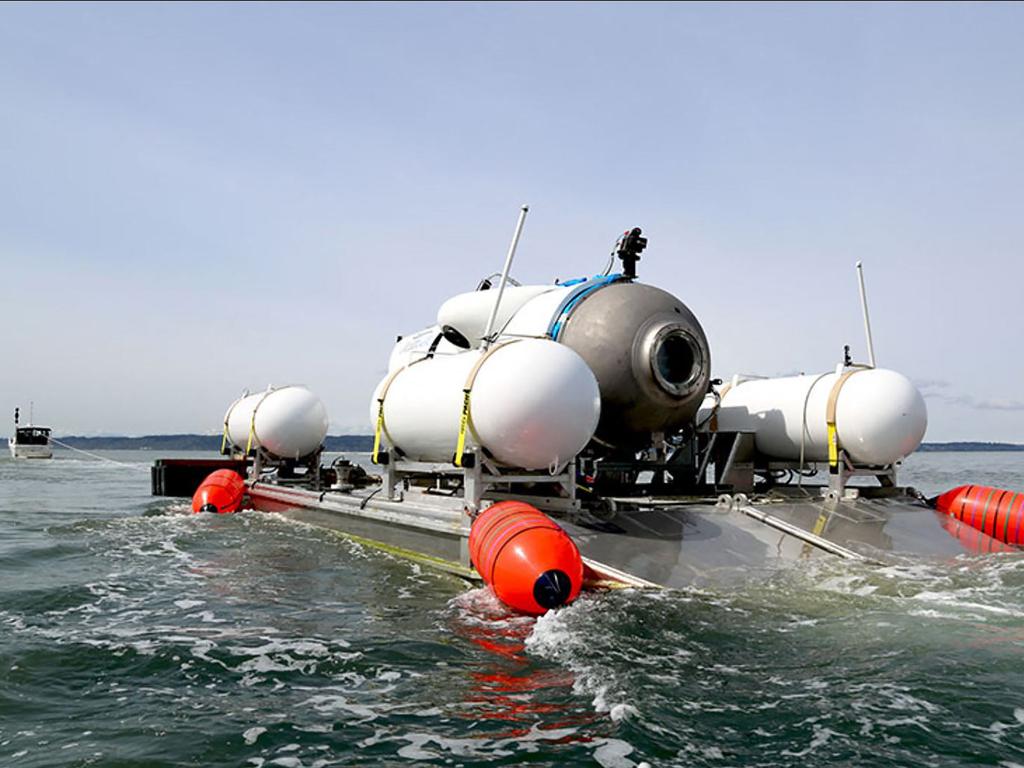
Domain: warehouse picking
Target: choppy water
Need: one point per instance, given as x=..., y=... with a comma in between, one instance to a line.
x=134, y=634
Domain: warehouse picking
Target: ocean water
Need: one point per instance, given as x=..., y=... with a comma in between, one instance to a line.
x=135, y=634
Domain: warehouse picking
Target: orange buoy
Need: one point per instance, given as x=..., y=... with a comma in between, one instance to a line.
x=993, y=511
x=220, y=492
x=529, y=562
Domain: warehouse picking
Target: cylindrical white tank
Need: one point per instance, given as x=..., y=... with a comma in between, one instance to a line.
x=468, y=313
x=535, y=316
x=880, y=415
x=287, y=422
x=534, y=405
x=525, y=311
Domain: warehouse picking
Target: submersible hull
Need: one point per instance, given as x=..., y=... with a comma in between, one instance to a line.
x=646, y=349
x=665, y=542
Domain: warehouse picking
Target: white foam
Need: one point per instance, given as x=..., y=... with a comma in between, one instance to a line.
x=956, y=599
x=820, y=737
x=303, y=646
x=620, y=712
x=479, y=607
x=333, y=704
x=415, y=750
x=555, y=637
x=282, y=663
x=612, y=753
x=252, y=734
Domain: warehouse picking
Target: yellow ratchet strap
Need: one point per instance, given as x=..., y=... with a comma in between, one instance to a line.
x=460, y=446
x=830, y=418
x=252, y=429
x=464, y=419
x=380, y=429
x=252, y=421
x=833, y=446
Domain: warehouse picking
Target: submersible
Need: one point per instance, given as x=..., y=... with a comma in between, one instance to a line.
x=554, y=438
x=645, y=348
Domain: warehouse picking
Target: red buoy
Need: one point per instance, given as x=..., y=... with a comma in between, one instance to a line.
x=529, y=562
x=220, y=492
x=993, y=511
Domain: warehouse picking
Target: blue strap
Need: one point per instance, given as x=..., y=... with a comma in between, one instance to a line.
x=569, y=303
x=574, y=281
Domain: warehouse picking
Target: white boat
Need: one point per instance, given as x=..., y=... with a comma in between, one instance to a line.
x=29, y=442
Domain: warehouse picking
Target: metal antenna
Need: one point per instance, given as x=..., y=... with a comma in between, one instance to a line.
x=864, y=310
x=504, y=276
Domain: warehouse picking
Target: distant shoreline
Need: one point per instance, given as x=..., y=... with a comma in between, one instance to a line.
x=195, y=443
x=365, y=443
x=968, y=447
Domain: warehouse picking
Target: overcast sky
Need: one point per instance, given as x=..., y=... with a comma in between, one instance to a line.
x=196, y=199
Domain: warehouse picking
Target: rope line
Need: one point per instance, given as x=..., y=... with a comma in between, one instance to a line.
x=96, y=455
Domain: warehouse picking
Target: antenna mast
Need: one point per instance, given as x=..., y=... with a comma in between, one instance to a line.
x=864, y=310
x=504, y=276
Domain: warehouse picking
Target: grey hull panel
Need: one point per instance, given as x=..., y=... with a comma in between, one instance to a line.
x=437, y=536
x=885, y=529
x=676, y=544
x=702, y=544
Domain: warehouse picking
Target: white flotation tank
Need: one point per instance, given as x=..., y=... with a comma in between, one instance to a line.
x=534, y=405
x=287, y=422
x=880, y=416
x=468, y=313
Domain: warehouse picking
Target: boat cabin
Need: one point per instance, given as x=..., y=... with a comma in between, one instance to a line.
x=32, y=436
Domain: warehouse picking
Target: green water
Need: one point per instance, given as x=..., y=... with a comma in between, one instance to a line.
x=135, y=634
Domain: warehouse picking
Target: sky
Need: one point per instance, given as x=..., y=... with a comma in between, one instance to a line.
x=199, y=199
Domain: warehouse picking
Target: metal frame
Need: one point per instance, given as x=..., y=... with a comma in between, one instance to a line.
x=261, y=459
x=737, y=461
x=483, y=480
x=839, y=476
